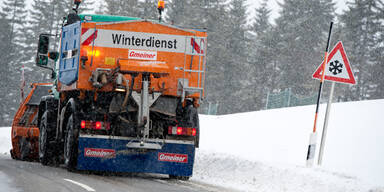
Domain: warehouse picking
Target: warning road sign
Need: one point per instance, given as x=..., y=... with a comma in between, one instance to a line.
x=337, y=68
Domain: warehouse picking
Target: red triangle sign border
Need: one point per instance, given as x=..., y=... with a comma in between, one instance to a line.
x=338, y=47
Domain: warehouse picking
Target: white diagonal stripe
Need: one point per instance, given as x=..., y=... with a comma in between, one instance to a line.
x=86, y=187
x=86, y=35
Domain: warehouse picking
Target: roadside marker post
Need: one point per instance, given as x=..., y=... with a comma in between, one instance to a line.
x=312, y=141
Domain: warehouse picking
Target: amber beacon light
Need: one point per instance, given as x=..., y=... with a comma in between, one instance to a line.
x=160, y=7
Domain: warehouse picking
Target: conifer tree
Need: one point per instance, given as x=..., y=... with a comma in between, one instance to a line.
x=237, y=90
x=101, y=8
x=14, y=11
x=302, y=30
x=218, y=26
x=5, y=71
x=261, y=24
x=47, y=16
x=123, y=7
x=148, y=9
x=378, y=50
x=39, y=22
x=361, y=29
x=179, y=12
x=262, y=57
x=13, y=20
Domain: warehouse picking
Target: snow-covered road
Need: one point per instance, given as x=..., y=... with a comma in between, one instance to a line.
x=19, y=176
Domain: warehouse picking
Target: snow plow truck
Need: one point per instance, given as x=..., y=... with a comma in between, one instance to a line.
x=124, y=97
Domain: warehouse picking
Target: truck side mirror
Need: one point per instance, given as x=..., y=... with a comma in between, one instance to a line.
x=42, y=50
x=54, y=55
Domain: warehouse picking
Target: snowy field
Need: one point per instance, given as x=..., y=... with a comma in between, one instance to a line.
x=266, y=150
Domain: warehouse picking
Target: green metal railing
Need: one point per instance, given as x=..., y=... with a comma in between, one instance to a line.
x=287, y=99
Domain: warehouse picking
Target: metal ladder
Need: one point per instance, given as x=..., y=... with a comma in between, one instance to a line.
x=198, y=51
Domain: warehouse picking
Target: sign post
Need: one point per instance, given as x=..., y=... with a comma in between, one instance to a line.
x=325, y=127
x=339, y=70
x=312, y=141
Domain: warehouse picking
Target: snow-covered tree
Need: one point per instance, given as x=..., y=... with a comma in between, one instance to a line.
x=123, y=7
x=303, y=28
x=236, y=69
x=261, y=23
x=378, y=50
x=262, y=55
x=148, y=9
x=176, y=12
x=5, y=71
x=13, y=13
x=362, y=31
x=218, y=26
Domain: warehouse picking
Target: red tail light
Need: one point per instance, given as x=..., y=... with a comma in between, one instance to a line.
x=184, y=131
x=98, y=125
x=179, y=130
x=194, y=132
x=82, y=124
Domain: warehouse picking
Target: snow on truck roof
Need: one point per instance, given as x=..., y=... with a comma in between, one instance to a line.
x=114, y=18
x=105, y=18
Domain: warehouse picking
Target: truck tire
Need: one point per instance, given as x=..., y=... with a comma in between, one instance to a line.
x=71, y=144
x=45, y=136
x=191, y=118
x=197, y=126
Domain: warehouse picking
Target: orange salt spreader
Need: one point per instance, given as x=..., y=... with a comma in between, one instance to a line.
x=124, y=98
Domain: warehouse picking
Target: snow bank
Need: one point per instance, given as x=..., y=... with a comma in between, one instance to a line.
x=5, y=140
x=274, y=143
x=243, y=175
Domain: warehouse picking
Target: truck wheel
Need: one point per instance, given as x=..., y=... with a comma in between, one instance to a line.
x=45, y=135
x=191, y=117
x=197, y=126
x=70, y=144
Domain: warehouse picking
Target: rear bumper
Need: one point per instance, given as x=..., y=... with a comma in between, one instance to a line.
x=105, y=153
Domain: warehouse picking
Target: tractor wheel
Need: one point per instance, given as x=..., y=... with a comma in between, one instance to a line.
x=45, y=136
x=71, y=144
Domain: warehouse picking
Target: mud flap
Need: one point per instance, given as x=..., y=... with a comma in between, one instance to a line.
x=103, y=153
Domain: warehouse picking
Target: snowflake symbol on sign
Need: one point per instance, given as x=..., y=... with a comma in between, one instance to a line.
x=335, y=67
